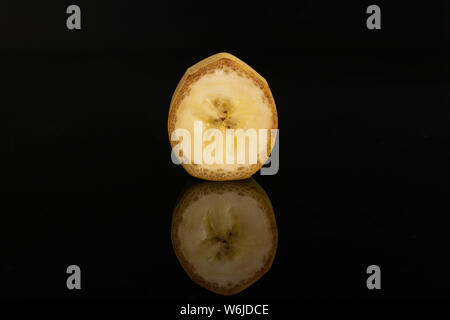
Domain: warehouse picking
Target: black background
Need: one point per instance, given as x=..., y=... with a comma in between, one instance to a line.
x=87, y=179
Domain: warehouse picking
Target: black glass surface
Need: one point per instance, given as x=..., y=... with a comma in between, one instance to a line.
x=86, y=176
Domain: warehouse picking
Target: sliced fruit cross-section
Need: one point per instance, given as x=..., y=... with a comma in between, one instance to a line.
x=223, y=93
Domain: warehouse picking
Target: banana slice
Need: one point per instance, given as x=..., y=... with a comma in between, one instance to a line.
x=223, y=93
x=224, y=234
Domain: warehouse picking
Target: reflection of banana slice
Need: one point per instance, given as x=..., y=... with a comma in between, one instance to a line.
x=223, y=92
x=224, y=234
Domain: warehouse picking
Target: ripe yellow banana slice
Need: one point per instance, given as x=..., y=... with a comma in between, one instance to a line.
x=225, y=94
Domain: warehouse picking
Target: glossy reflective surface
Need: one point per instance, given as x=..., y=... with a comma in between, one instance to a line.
x=224, y=234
